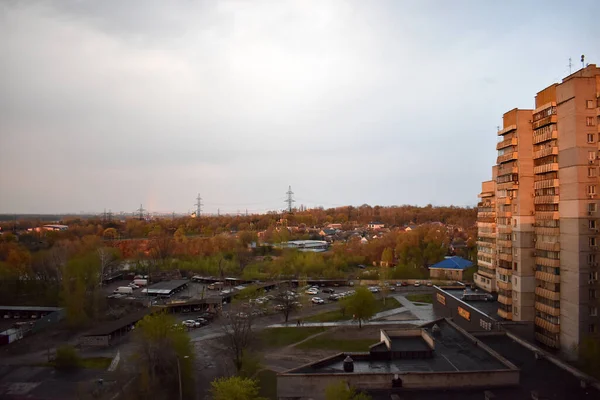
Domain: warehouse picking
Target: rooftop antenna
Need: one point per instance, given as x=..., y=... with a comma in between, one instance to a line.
x=582, y=61
x=290, y=199
x=198, y=205
x=570, y=65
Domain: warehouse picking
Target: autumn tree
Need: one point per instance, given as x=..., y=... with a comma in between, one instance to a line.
x=361, y=305
x=235, y=388
x=164, y=353
x=110, y=234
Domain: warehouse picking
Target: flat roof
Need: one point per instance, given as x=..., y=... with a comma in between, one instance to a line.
x=454, y=352
x=489, y=308
x=165, y=287
x=109, y=327
x=28, y=308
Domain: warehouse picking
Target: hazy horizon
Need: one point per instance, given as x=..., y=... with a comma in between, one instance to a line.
x=106, y=105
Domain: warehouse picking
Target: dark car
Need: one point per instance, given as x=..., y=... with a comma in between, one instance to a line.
x=333, y=297
x=208, y=316
x=328, y=290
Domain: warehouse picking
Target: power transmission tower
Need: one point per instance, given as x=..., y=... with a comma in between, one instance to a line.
x=218, y=212
x=110, y=214
x=198, y=205
x=140, y=212
x=290, y=199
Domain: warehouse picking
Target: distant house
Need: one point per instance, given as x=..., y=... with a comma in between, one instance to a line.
x=334, y=226
x=450, y=268
x=410, y=228
x=327, y=232
x=376, y=225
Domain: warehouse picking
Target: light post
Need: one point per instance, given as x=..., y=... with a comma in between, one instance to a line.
x=179, y=374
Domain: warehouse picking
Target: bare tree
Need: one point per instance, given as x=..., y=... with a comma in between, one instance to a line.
x=286, y=301
x=239, y=336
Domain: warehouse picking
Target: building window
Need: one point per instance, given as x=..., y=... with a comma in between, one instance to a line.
x=592, y=241
x=589, y=121
x=593, y=276
x=592, y=223
x=590, y=104
x=593, y=293
x=591, y=155
x=592, y=328
x=515, y=223
x=516, y=266
x=592, y=172
x=516, y=282
x=591, y=138
x=591, y=189
x=592, y=207
x=593, y=311
x=591, y=258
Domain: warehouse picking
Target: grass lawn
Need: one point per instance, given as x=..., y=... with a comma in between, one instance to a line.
x=335, y=343
x=421, y=298
x=267, y=380
x=278, y=337
x=336, y=315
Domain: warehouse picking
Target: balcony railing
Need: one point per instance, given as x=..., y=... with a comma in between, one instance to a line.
x=508, y=186
x=485, y=234
x=540, y=230
x=487, y=272
x=548, y=151
x=542, y=137
x=547, y=325
x=508, y=169
x=547, y=262
x=542, y=169
x=504, y=285
x=547, y=277
x=547, y=215
x=504, y=314
x=546, y=340
x=547, y=246
x=506, y=130
x=547, y=294
x=547, y=309
x=505, y=300
x=504, y=271
x=507, y=142
x=550, y=199
x=504, y=229
x=545, y=184
x=550, y=119
x=507, y=157
x=504, y=243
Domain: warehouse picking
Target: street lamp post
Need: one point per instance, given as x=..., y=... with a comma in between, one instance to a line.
x=179, y=374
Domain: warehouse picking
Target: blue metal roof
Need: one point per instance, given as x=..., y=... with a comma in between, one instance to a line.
x=453, y=263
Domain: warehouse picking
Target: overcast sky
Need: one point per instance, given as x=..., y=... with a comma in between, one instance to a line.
x=109, y=104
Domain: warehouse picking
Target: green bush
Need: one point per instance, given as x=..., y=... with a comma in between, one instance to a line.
x=67, y=357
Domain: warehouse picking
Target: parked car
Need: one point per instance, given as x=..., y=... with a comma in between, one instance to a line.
x=133, y=286
x=208, y=316
x=201, y=321
x=312, y=291
x=328, y=290
x=317, y=300
x=334, y=297
x=392, y=288
x=429, y=283
x=373, y=289
x=190, y=323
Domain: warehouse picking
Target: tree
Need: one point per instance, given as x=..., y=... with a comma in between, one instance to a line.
x=361, y=304
x=164, y=351
x=285, y=301
x=235, y=388
x=110, y=234
x=589, y=355
x=387, y=257
x=67, y=358
x=341, y=391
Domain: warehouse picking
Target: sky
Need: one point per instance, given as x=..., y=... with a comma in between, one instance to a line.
x=113, y=104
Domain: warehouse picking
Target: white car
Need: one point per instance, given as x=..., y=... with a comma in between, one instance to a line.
x=317, y=300
x=417, y=283
x=133, y=286
x=374, y=289
x=190, y=323
x=312, y=291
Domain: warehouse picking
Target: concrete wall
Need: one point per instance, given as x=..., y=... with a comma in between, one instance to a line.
x=478, y=321
x=312, y=386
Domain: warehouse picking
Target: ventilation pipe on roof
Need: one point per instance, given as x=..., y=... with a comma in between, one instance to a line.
x=435, y=330
x=348, y=364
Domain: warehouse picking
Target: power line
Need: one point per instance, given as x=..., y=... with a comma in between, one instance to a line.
x=290, y=200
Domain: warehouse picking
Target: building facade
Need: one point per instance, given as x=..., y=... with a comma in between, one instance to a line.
x=544, y=235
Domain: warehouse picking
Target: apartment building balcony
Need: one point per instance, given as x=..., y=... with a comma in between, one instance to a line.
x=505, y=201
x=503, y=285
x=546, y=340
x=543, y=137
x=507, y=157
x=489, y=273
x=504, y=243
x=486, y=264
x=547, y=246
x=547, y=277
x=504, y=271
x=542, y=169
x=550, y=119
x=555, y=312
x=504, y=229
x=483, y=243
x=548, y=151
x=486, y=214
x=486, y=234
x=546, y=183
x=508, y=169
x=542, y=230
x=506, y=143
x=547, y=294
x=504, y=314
x=483, y=224
x=505, y=300
x=508, y=186
x=547, y=325
x=547, y=215
x=547, y=262
x=486, y=219
x=550, y=199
